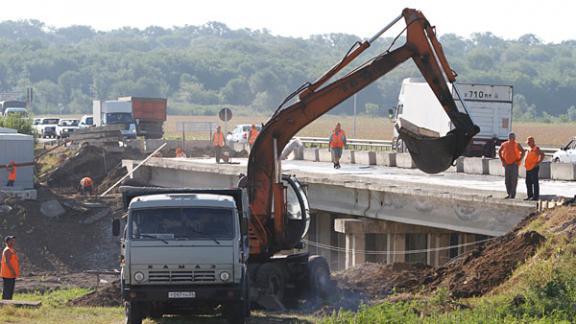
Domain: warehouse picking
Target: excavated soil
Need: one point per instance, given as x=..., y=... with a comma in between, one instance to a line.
x=106, y=296
x=80, y=239
x=472, y=274
x=89, y=161
x=486, y=267
x=378, y=280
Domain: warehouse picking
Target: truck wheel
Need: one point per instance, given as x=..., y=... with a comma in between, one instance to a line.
x=271, y=280
x=133, y=312
x=319, y=276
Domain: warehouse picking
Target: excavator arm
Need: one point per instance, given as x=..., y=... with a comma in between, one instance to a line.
x=431, y=154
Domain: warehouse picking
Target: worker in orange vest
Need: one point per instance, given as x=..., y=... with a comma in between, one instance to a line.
x=180, y=153
x=336, y=144
x=532, y=165
x=11, y=168
x=218, y=143
x=252, y=135
x=511, y=154
x=87, y=186
x=9, y=268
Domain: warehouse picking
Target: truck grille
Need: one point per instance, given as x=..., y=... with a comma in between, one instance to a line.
x=181, y=276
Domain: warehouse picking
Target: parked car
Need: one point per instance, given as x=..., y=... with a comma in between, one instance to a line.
x=240, y=133
x=567, y=153
x=86, y=121
x=46, y=127
x=66, y=127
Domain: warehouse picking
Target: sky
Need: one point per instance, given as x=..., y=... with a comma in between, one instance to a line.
x=300, y=18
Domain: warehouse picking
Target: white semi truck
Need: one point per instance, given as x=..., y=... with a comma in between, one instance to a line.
x=489, y=106
x=114, y=112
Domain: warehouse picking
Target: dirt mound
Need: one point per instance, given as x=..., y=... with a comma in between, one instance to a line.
x=79, y=239
x=89, y=161
x=486, y=267
x=379, y=280
x=107, y=296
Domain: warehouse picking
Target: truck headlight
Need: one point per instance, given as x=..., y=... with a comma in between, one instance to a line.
x=224, y=276
x=138, y=276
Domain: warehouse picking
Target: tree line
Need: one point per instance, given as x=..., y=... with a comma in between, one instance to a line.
x=203, y=68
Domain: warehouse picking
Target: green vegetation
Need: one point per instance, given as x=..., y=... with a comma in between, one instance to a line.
x=55, y=311
x=541, y=290
x=203, y=68
x=22, y=125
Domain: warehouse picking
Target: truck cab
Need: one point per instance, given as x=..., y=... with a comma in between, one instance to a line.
x=112, y=112
x=185, y=251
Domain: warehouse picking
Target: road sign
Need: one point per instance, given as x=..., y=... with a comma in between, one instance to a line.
x=225, y=114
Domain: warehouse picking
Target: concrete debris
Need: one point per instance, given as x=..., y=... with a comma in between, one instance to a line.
x=52, y=209
x=97, y=216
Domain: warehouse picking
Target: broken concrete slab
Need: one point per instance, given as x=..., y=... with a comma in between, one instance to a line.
x=52, y=209
x=97, y=216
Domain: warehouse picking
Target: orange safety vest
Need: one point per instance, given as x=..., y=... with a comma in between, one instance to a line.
x=253, y=134
x=4, y=270
x=218, y=139
x=12, y=172
x=337, y=139
x=511, y=153
x=532, y=158
x=86, y=182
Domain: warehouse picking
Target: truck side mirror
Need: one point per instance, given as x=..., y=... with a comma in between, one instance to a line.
x=116, y=227
x=390, y=113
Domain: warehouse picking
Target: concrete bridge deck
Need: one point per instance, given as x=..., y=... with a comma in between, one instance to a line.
x=454, y=201
x=372, y=208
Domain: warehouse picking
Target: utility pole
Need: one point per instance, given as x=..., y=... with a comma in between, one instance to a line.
x=354, y=119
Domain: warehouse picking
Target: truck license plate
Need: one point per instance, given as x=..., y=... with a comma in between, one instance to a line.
x=181, y=294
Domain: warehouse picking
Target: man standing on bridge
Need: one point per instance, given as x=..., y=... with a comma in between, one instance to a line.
x=532, y=164
x=511, y=154
x=218, y=143
x=337, y=143
x=9, y=267
x=254, y=132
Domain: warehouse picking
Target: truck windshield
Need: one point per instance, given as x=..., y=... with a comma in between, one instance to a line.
x=119, y=118
x=182, y=223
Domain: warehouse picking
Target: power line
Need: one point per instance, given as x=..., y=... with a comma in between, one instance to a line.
x=345, y=250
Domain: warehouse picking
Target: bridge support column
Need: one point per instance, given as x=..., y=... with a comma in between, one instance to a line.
x=355, y=247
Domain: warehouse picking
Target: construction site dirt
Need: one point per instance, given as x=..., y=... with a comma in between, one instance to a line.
x=56, y=251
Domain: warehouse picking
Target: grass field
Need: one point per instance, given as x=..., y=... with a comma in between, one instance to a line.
x=546, y=135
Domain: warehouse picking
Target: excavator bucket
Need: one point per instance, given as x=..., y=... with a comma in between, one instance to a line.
x=430, y=152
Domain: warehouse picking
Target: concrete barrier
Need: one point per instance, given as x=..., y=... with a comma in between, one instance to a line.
x=563, y=171
x=326, y=156
x=365, y=157
x=474, y=165
x=495, y=167
x=310, y=154
x=543, y=173
x=386, y=159
x=404, y=160
x=457, y=167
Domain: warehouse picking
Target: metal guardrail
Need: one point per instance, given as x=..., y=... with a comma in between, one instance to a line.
x=376, y=145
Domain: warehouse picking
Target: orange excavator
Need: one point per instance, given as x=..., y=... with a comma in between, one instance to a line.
x=279, y=210
x=179, y=264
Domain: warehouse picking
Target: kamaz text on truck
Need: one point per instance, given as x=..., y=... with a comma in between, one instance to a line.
x=489, y=107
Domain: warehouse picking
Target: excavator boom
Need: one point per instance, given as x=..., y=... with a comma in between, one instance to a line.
x=431, y=154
